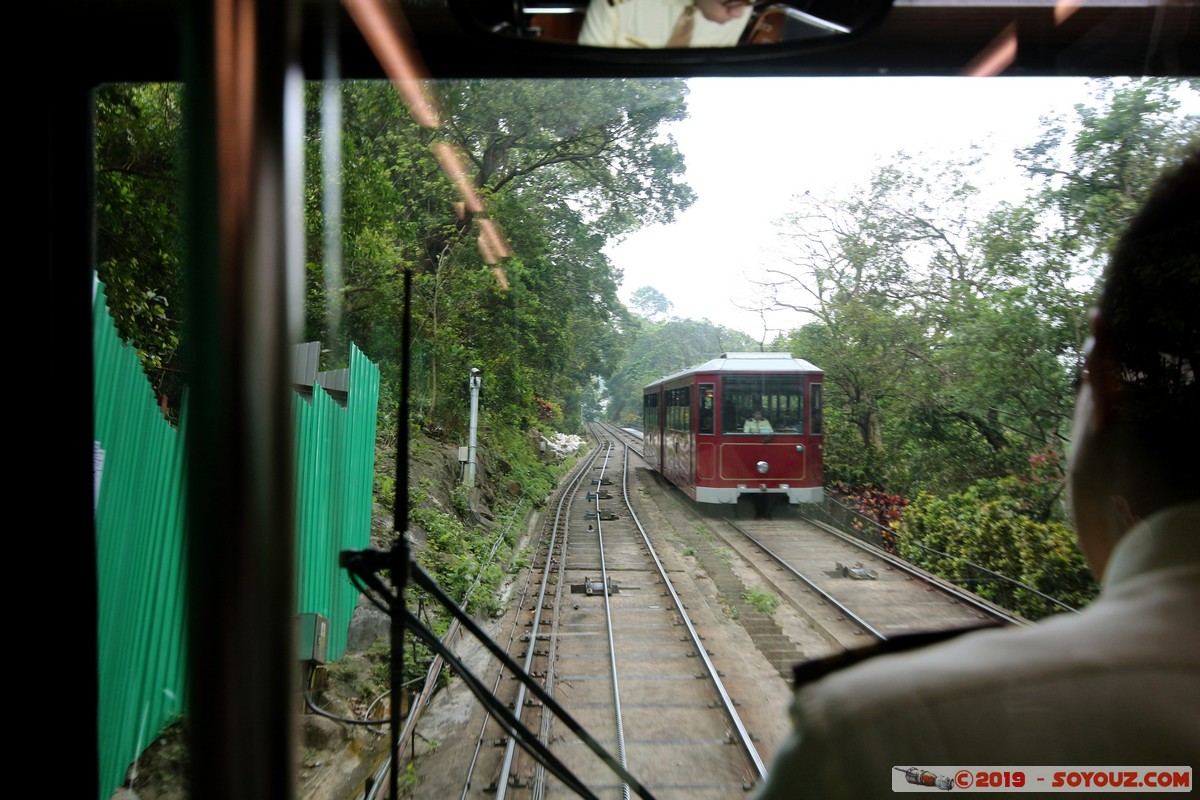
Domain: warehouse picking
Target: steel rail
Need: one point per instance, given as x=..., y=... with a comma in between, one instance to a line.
x=563, y=503
x=512, y=636
x=612, y=646
x=380, y=778
x=956, y=592
x=946, y=587
x=726, y=701
x=538, y=788
x=800, y=576
x=539, y=770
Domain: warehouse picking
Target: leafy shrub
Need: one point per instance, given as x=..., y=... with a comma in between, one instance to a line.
x=990, y=525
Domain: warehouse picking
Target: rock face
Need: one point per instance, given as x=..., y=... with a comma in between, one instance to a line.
x=320, y=733
x=368, y=626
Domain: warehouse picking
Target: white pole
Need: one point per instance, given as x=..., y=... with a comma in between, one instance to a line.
x=476, y=380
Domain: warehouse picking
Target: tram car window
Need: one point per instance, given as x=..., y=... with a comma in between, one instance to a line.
x=247, y=259
x=780, y=399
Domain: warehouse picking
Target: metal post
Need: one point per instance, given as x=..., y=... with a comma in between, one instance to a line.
x=476, y=380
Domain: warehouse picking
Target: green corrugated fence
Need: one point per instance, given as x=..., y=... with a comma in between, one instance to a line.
x=139, y=556
x=139, y=535
x=335, y=466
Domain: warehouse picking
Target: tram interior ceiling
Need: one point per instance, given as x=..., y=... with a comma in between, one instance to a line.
x=145, y=41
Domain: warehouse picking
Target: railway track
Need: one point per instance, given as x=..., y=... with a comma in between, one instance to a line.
x=646, y=634
x=855, y=588
x=612, y=641
x=606, y=626
x=847, y=593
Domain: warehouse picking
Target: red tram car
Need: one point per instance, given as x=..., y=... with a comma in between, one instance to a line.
x=741, y=424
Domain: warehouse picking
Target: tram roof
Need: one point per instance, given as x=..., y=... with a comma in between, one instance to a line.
x=732, y=363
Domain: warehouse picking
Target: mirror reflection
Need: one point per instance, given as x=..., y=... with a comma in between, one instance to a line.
x=674, y=24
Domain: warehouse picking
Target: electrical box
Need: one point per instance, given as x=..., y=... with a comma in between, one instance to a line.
x=312, y=638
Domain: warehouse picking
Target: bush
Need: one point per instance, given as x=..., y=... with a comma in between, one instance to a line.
x=991, y=525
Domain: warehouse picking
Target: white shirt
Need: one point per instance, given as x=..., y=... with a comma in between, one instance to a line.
x=1115, y=685
x=649, y=23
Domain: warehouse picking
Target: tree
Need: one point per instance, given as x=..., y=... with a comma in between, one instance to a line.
x=563, y=168
x=949, y=332
x=657, y=349
x=651, y=303
x=1096, y=169
x=881, y=275
x=138, y=204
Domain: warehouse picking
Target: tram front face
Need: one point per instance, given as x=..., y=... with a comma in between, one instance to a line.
x=768, y=441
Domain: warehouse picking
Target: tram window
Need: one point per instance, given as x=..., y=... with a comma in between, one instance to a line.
x=779, y=397
x=707, y=395
x=679, y=409
x=650, y=412
x=817, y=423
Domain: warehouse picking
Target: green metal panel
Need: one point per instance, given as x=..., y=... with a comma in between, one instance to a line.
x=140, y=544
x=335, y=453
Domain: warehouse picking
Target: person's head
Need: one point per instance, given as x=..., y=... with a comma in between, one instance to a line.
x=758, y=413
x=721, y=11
x=1135, y=442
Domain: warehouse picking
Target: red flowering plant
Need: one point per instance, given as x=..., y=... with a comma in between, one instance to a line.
x=875, y=504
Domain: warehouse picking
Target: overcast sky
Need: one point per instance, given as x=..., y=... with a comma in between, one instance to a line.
x=751, y=144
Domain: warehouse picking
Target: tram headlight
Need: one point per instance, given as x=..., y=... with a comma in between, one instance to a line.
x=762, y=467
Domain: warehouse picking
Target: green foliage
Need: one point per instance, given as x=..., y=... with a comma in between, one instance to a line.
x=385, y=490
x=1115, y=151
x=409, y=779
x=995, y=524
x=364, y=676
x=563, y=167
x=848, y=459
x=518, y=563
x=138, y=207
x=460, y=498
x=656, y=349
x=455, y=555
x=949, y=331
x=536, y=479
x=762, y=600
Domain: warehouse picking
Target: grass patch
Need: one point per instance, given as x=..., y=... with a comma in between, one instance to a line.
x=762, y=600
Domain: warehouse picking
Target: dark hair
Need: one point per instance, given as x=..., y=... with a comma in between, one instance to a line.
x=1150, y=309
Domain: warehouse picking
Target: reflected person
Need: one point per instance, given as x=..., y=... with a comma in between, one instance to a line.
x=1118, y=684
x=664, y=23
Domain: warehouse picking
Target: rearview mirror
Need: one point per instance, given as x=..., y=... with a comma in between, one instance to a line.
x=673, y=24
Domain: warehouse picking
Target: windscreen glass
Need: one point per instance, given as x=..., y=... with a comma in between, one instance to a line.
x=932, y=246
